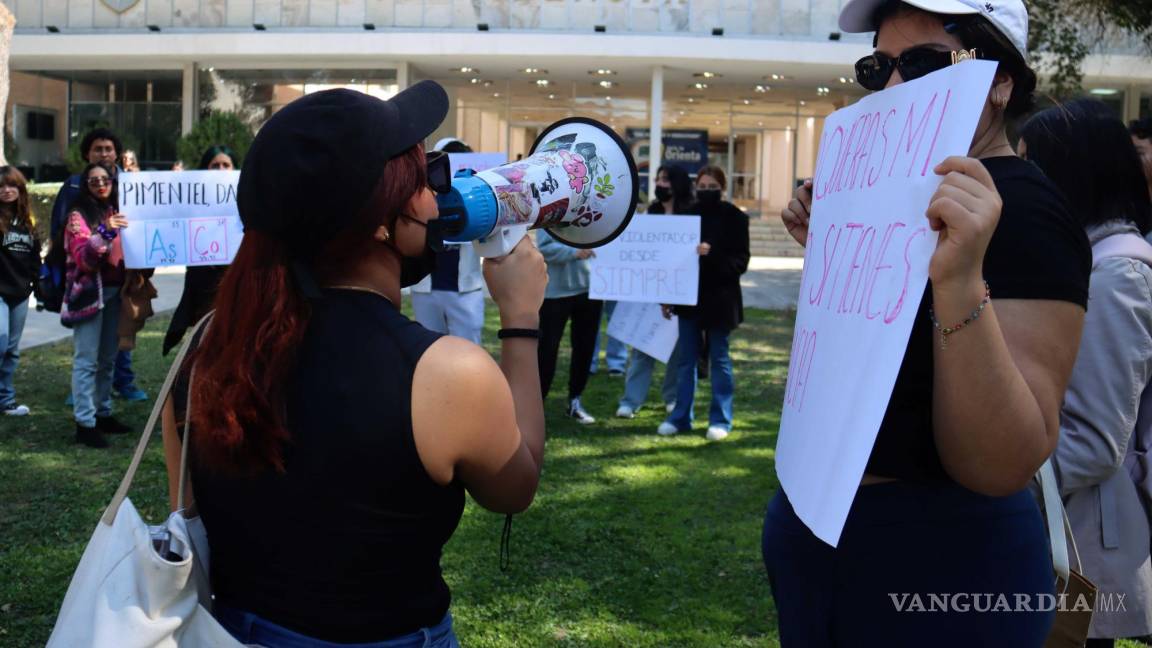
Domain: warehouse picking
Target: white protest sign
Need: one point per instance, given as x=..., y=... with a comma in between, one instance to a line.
x=643, y=326
x=180, y=218
x=865, y=269
x=654, y=260
x=476, y=161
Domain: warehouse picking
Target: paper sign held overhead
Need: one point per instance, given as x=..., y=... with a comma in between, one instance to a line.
x=180, y=218
x=865, y=270
x=654, y=261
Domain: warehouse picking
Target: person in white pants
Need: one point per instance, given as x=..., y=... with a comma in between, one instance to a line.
x=451, y=299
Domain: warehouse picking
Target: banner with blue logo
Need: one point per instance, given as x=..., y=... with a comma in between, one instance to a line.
x=686, y=148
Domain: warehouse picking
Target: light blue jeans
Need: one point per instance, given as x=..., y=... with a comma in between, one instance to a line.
x=723, y=383
x=12, y=318
x=93, y=359
x=616, y=355
x=639, y=379
x=251, y=629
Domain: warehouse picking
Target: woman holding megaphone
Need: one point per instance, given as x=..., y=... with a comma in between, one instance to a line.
x=332, y=439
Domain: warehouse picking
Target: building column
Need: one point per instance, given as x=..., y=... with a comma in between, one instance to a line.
x=402, y=76
x=189, y=98
x=656, y=125
x=1131, y=103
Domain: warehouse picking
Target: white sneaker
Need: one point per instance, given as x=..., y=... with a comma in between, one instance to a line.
x=716, y=433
x=12, y=409
x=668, y=407
x=666, y=429
x=625, y=412
x=576, y=411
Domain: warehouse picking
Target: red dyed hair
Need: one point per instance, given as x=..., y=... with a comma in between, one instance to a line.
x=246, y=358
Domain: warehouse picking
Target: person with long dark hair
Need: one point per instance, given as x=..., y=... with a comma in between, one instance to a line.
x=331, y=438
x=1102, y=459
x=95, y=273
x=943, y=505
x=672, y=190
x=724, y=254
x=19, y=264
x=200, y=282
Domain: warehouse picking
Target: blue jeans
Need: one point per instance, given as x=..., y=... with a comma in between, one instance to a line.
x=12, y=318
x=639, y=379
x=122, y=374
x=723, y=384
x=251, y=629
x=94, y=354
x=616, y=356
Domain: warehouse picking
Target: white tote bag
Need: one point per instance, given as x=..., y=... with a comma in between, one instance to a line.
x=139, y=585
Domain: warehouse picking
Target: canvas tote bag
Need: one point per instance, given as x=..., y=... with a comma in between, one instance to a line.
x=139, y=585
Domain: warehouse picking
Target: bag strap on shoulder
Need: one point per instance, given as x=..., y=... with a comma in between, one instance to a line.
x=161, y=399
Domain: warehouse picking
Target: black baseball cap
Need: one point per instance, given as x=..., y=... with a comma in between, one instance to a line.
x=314, y=165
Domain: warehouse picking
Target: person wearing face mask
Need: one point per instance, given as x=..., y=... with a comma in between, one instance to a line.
x=673, y=193
x=943, y=505
x=724, y=254
x=331, y=439
x=200, y=282
x=19, y=264
x=95, y=274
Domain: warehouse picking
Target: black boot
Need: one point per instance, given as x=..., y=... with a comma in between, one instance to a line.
x=90, y=437
x=109, y=425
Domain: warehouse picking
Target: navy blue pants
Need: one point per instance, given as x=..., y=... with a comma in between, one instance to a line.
x=917, y=565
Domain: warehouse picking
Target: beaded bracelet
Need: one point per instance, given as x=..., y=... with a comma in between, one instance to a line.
x=106, y=233
x=949, y=330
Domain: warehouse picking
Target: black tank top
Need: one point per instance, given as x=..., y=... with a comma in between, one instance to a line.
x=345, y=545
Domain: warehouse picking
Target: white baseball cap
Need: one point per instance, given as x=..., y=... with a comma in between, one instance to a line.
x=1008, y=16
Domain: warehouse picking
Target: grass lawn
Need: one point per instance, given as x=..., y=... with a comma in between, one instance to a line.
x=634, y=539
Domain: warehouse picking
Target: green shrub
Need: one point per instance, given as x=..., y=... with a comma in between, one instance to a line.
x=217, y=128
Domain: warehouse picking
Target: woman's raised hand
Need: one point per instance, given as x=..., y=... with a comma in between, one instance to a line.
x=965, y=210
x=798, y=212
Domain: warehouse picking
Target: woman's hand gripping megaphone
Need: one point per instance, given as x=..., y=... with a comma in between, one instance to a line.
x=517, y=281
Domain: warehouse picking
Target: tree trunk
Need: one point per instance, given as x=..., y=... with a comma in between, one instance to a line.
x=7, y=24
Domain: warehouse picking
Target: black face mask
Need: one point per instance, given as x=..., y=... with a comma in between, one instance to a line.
x=663, y=194
x=414, y=269
x=708, y=196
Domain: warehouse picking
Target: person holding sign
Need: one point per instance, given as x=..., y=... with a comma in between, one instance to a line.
x=724, y=254
x=200, y=282
x=331, y=439
x=95, y=273
x=1102, y=459
x=975, y=410
x=673, y=191
x=19, y=264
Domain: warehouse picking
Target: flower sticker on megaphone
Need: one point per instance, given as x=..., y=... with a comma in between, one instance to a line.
x=579, y=182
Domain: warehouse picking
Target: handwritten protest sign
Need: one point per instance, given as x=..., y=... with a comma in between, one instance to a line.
x=654, y=260
x=476, y=161
x=180, y=218
x=865, y=269
x=643, y=326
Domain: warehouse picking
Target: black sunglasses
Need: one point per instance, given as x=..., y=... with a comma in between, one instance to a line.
x=439, y=172
x=874, y=70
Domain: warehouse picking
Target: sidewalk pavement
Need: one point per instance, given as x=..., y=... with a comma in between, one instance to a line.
x=771, y=282
x=43, y=327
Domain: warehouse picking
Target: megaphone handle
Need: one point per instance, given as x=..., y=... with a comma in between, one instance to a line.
x=501, y=242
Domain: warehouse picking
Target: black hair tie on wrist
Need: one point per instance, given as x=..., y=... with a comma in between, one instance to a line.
x=506, y=333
